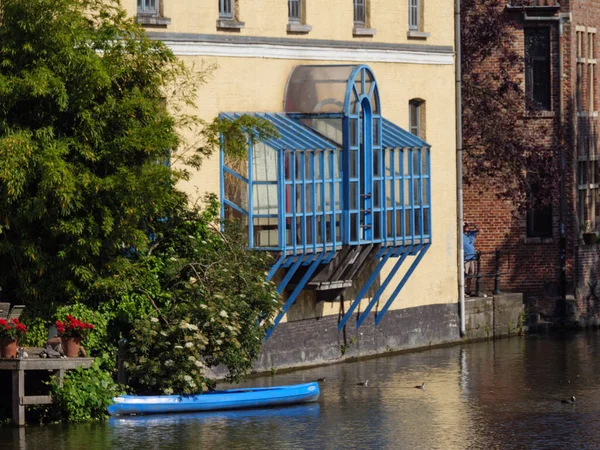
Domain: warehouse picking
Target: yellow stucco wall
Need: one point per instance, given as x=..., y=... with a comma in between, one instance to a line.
x=257, y=85
x=332, y=19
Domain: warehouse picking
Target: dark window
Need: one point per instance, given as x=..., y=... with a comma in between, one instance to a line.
x=416, y=117
x=537, y=67
x=539, y=222
x=359, y=12
x=294, y=11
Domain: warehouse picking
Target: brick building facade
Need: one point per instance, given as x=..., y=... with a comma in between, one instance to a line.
x=544, y=254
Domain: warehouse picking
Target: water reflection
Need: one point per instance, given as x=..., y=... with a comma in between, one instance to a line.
x=504, y=394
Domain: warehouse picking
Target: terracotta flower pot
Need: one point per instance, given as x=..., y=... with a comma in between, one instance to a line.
x=71, y=346
x=589, y=238
x=9, y=348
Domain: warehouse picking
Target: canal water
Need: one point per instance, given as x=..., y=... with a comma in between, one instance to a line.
x=489, y=395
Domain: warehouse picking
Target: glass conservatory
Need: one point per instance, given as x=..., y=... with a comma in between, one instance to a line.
x=341, y=187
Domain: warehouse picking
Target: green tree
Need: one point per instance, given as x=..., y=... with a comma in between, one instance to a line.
x=91, y=217
x=82, y=126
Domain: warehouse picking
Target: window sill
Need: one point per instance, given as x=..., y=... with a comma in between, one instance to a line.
x=414, y=34
x=540, y=114
x=538, y=240
x=298, y=28
x=153, y=20
x=362, y=31
x=230, y=24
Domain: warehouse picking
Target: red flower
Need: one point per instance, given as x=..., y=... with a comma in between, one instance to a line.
x=12, y=329
x=72, y=327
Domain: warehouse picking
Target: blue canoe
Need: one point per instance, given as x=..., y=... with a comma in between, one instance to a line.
x=216, y=400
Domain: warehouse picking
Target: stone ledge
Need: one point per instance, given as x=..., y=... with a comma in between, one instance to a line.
x=230, y=24
x=152, y=20
x=362, y=31
x=298, y=28
x=538, y=240
x=413, y=34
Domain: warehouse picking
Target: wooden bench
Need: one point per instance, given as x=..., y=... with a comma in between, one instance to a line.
x=18, y=367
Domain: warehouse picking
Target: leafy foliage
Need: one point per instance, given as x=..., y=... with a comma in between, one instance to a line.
x=92, y=222
x=85, y=394
x=218, y=298
x=505, y=146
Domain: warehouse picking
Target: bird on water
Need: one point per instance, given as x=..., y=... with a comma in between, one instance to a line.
x=570, y=400
x=421, y=386
x=363, y=383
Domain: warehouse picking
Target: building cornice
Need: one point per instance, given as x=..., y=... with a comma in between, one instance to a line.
x=186, y=44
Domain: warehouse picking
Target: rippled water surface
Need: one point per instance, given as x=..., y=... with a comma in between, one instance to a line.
x=504, y=394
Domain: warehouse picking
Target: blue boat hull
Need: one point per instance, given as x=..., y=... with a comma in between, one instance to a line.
x=217, y=400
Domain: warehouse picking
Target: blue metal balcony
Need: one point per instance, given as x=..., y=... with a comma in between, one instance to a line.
x=340, y=187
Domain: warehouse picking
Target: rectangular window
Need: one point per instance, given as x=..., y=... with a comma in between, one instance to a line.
x=591, y=85
x=294, y=11
x=537, y=67
x=588, y=187
x=226, y=9
x=147, y=6
x=359, y=12
x=413, y=14
x=416, y=118
x=579, y=75
x=539, y=222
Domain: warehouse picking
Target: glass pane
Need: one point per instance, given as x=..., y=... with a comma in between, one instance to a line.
x=377, y=194
x=353, y=195
x=319, y=236
x=376, y=165
x=426, y=230
x=407, y=226
x=264, y=199
x=319, y=88
x=353, y=155
x=265, y=232
x=236, y=190
x=377, y=225
x=353, y=133
x=318, y=197
x=264, y=163
x=375, y=102
x=354, y=227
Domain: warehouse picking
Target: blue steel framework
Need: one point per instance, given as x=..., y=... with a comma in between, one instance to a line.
x=374, y=189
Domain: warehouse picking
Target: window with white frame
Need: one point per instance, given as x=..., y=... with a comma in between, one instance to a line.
x=591, y=88
x=579, y=74
x=147, y=6
x=587, y=193
x=413, y=15
x=295, y=11
x=226, y=9
x=416, y=117
x=360, y=12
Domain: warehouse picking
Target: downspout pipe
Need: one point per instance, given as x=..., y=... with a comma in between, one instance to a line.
x=459, y=169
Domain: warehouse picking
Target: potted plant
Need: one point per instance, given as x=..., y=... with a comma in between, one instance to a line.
x=588, y=233
x=10, y=333
x=71, y=331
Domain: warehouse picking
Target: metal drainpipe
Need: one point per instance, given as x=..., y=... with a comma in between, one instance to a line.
x=561, y=106
x=459, y=171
